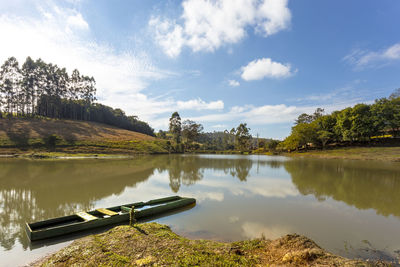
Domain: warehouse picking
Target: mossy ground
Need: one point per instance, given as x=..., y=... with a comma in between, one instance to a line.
x=357, y=153
x=153, y=244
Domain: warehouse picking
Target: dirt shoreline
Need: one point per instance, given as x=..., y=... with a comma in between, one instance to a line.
x=352, y=153
x=153, y=244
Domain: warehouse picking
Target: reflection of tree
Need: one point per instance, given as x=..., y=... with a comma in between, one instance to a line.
x=364, y=185
x=188, y=170
x=241, y=169
x=35, y=190
x=182, y=170
x=274, y=164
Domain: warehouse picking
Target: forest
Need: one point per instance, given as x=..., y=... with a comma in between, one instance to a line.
x=189, y=136
x=361, y=123
x=40, y=89
x=357, y=125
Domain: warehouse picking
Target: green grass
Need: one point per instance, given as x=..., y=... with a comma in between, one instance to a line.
x=83, y=148
x=153, y=244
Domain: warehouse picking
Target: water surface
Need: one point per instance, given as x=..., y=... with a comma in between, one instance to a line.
x=351, y=208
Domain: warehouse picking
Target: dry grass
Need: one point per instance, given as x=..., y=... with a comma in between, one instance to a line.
x=153, y=244
x=67, y=130
x=30, y=138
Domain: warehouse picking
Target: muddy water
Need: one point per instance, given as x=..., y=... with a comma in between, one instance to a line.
x=351, y=208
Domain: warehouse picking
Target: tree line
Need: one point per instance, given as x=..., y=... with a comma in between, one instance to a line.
x=38, y=88
x=360, y=123
x=189, y=135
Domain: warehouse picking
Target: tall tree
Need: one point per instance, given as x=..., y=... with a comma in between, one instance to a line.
x=10, y=75
x=45, y=89
x=190, y=130
x=243, y=136
x=386, y=115
x=319, y=112
x=343, y=124
x=175, y=126
x=30, y=84
x=304, y=118
x=325, y=129
x=88, y=93
x=362, y=125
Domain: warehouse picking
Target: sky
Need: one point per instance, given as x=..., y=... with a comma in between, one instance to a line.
x=217, y=62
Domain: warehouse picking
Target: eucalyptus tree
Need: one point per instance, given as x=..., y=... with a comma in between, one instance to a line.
x=87, y=93
x=45, y=89
x=30, y=84
x=242, y=133
x=10, y=76
x=175, y=127
x=190, y=130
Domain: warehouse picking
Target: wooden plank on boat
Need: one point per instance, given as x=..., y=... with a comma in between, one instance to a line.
x=86, y=216
x=107, y=212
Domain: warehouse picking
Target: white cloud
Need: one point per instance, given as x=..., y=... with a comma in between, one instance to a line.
x=219, y=126
x=265, y=68
x=267, y=114
x=233, y=83
x=77, y=21
x=352, y=92
x=208, y=25
x=169, y=36
x=75, y=2
x=150, y=109
x=62, y=36
x=56, y=36
x=198, y=104
x=363, y=58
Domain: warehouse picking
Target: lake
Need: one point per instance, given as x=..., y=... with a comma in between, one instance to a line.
x=351, y=208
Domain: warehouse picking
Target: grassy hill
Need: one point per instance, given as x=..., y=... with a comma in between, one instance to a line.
x=42, y=135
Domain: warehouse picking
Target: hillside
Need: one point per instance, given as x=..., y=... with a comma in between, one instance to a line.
x=67, y=129
x=73, y=137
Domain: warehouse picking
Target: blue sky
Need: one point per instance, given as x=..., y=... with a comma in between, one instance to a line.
x=219, y=62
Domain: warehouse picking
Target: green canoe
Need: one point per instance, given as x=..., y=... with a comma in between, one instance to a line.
x=103, y=217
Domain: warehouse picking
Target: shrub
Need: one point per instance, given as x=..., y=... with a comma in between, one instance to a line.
x=52, y=140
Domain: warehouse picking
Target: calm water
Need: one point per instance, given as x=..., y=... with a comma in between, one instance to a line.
x=348, y=207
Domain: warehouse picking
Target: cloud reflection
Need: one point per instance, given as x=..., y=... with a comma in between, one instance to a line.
x=256, y=230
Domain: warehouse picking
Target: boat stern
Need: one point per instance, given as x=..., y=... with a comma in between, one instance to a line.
x=28, y=231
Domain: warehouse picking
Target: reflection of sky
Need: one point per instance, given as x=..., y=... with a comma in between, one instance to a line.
x=265, y=203
x=268, y=204
x=253, y=230
x=255, y=185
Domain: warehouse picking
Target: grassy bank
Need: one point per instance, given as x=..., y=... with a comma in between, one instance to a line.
x=37, y=148
x=44, y=137
x=152, y=244
x=357, y=153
